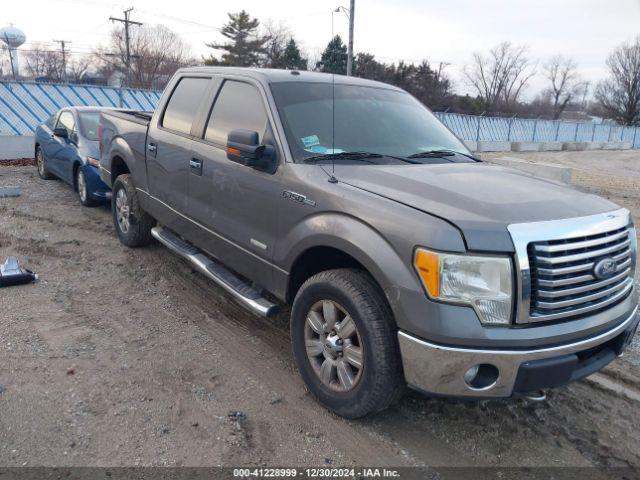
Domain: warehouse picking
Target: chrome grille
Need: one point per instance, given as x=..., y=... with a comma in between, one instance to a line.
x=563, y=283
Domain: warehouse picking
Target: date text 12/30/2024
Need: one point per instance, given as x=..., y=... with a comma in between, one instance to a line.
x=315, y=473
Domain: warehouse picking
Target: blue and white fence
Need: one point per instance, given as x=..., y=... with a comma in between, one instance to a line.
x=24, y=105
x=502, y=129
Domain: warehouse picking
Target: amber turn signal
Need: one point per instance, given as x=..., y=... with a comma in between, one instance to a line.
x=427, y=265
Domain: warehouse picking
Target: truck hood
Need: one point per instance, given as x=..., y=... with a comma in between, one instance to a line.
x=481, y=199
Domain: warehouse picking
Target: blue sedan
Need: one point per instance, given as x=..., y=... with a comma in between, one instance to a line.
x=67, y=147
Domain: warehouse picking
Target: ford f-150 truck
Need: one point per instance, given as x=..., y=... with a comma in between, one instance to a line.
x=407, y=261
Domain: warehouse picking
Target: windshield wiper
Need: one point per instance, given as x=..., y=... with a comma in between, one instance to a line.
x=343, y=156
x=441, y=153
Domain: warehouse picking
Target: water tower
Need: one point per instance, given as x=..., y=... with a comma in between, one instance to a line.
x=13, y=37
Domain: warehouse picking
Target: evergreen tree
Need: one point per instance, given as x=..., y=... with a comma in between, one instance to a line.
x=334, y=57
x=246, y=46
x=292, y=59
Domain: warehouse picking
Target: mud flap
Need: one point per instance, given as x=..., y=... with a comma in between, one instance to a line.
x=11, y=273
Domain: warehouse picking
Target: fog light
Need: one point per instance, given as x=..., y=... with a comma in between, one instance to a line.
x=481, y=377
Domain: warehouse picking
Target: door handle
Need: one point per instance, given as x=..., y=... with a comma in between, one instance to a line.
x=152, y=147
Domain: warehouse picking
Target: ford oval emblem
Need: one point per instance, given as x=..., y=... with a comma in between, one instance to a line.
x=605, y=268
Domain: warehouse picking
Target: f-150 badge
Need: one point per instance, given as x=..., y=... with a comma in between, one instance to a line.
x=298, y=198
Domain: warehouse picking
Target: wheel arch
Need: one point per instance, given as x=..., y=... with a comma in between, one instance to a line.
x=343, y=241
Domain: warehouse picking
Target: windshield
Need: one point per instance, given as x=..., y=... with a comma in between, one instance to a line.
x=89, y=125
x=360, y=119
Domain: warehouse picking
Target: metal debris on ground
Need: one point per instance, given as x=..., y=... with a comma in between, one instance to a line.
x=7, y=192
x=12, y=274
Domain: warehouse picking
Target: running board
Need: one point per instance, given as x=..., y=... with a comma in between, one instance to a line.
x=245, y=294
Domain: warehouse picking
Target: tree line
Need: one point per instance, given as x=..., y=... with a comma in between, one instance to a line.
x=498, y=78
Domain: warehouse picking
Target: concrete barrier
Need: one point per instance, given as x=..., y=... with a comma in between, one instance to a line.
x=471, y=145
x=550, y=146
x=569, y=146
x=16, y=146
x=611, y=145
x=490, y=146
x=594, y=145
x=539, y=169
x=525, y=146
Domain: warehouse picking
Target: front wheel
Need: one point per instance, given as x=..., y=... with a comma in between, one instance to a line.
x=133, y=225
x=40, y=165
x=83, y=190
x=345, y=344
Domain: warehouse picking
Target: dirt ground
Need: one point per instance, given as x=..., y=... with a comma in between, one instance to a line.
x=120, y=357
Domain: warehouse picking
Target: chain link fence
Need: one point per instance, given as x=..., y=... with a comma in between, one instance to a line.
x=24, y=105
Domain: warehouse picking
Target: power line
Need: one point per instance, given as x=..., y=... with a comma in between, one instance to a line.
x=127, y=22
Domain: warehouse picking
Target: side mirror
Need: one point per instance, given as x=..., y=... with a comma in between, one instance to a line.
x=61, y=132
x=243, y=147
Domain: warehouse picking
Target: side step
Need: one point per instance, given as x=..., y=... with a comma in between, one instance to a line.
x=245, y=294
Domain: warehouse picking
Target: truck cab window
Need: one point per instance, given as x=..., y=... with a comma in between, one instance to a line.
x=184, y=103
x=239, y=105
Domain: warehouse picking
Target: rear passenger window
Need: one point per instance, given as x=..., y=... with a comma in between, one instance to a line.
x=184, y=103
x=239, y=105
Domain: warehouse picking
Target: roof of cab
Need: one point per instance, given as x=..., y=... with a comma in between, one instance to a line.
x=271, y=75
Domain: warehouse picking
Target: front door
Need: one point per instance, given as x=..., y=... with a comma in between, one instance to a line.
x=62, y=152
x=235, y=203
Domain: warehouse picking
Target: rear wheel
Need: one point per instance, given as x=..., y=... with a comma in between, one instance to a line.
x=345, y=344
x=40, y=165
x=83, y=190
x=133, y=225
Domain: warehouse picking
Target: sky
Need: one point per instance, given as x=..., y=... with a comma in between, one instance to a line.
x=411, y=30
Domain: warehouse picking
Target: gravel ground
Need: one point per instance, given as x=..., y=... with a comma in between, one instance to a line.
x=120, y=357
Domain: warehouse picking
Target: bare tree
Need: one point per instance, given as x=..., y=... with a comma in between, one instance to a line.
x=565, y=83
x=278, y=35
x=500, y=76
x=619, y=95
x=43, y=62
x=77, y=68
x=157, y=52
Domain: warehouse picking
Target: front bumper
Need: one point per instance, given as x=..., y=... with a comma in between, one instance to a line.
x=440, y=369
x=96, y=188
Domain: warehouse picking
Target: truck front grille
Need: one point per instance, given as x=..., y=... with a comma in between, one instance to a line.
x=563, y=281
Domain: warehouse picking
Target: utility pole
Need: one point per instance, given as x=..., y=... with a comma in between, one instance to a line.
x=63, y=44
x=127, y=38
x=441, y=67
x=350, y=47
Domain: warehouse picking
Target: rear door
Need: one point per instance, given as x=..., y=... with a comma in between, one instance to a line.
x=169, y=142
x=236, y=204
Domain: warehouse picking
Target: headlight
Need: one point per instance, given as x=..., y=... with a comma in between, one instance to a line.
x=483, y=282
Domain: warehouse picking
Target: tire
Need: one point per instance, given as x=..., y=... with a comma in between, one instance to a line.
x=379, y=381
x=43, y=173
x=82, y=189
x=133, y=225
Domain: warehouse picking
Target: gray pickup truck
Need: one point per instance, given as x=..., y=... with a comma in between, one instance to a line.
x=407, y=261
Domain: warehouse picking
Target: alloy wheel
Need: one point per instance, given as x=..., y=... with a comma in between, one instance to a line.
x=82, y=186
x=333, y=346
x=40, y=162
x=122, y=210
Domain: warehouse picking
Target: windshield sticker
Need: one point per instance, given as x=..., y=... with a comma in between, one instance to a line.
x=310, y=141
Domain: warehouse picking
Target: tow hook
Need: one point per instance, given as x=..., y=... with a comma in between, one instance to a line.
x=12, y=274
x=538, y=396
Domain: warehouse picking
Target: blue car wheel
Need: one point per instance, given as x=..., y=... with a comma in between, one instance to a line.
x=83, y=189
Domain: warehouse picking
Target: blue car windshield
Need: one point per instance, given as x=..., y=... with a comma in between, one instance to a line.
x=323, y=119
x=89, y=125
